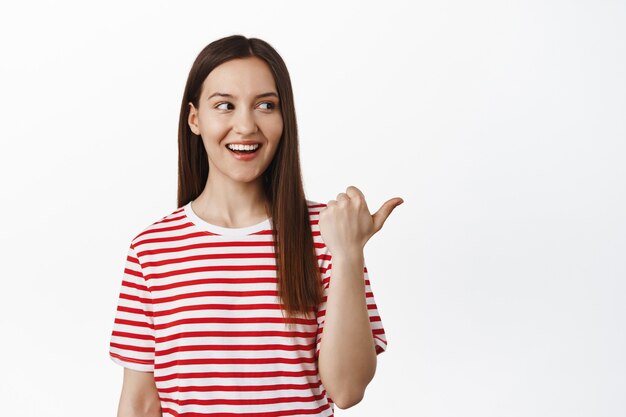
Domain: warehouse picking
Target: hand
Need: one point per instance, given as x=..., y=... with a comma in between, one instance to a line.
x=346, y=223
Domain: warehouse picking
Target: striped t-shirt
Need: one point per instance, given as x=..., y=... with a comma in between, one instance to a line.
x=198, y=307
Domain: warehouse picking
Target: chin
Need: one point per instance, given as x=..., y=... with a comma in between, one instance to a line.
x=247, y=179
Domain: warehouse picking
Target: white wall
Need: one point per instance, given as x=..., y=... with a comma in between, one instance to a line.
x=501, y=280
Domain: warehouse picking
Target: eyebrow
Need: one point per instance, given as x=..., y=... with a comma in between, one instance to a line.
x=268, y=94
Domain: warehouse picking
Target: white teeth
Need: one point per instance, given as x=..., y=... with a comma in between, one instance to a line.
x=237, y=147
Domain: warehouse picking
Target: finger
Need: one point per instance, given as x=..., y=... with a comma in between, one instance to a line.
x=342, y=196
x=384, y=211
x=354, y=192
x=356, y=195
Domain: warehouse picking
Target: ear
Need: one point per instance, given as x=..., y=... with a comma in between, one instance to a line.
x=192, y=120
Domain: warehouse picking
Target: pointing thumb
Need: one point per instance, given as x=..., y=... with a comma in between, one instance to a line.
x=384, y=211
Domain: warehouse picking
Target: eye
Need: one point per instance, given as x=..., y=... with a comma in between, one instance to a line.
x=221, y=104
x=271, y=105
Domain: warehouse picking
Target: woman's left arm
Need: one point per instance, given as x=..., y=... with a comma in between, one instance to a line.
x=347, y=357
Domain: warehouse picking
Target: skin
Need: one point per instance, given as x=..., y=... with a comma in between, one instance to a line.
x=139, y=397
x=233, y=197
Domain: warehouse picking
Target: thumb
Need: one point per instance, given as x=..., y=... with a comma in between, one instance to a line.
x=384, y=211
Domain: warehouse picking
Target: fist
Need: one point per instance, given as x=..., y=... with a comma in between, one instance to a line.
x=346, y=223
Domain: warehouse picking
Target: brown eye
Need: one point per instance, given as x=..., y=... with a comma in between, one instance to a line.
x=270, y=104
x=221, y=104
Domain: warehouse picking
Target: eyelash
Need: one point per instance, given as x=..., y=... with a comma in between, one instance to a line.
x=264, y=102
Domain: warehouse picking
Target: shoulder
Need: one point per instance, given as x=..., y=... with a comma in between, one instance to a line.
x=314, y=206
x=170, y=222
x=314, y=212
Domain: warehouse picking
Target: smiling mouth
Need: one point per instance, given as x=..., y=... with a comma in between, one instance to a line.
x=243, y=152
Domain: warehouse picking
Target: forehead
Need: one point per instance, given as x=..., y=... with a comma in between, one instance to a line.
x=240, y=77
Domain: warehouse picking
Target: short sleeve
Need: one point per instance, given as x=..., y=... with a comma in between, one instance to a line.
x=378, y=331
x=132, y=340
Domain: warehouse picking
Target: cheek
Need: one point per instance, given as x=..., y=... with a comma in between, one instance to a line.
x=274, y=129
x=215, y=129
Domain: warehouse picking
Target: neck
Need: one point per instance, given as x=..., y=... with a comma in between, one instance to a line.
x=230, y=203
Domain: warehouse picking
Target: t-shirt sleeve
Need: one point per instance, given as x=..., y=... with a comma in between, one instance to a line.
x=376, y=324
x=132, y=340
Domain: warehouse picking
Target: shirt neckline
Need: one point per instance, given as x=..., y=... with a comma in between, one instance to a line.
x=225, y=231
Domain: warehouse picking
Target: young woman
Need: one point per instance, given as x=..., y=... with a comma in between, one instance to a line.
x=226, y=305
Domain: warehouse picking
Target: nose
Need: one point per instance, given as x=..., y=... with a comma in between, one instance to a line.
x=244, y=123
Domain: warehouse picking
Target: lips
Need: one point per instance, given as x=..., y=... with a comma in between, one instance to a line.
x=244, y=143
x=244, y=155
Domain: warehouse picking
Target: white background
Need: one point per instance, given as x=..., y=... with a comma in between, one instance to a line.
x=501, y=281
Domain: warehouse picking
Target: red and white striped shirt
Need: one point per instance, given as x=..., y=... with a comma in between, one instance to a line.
x=198, y=307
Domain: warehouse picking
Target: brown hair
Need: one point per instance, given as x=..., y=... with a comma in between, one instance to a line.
x=298, y=274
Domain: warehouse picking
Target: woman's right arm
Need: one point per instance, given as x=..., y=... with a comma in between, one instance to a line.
x=139, y=396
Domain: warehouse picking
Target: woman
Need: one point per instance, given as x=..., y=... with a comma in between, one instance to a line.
x=225, y=300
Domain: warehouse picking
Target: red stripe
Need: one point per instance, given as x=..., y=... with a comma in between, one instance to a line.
x=133, y=323
x=243, y=333
x=129, y=284
x=262, y=233
x=155, y=229
x=133, y=348
x=133, y=335
x=206, y=281
x=249, y=414
x=132, y=360
x=168, y=219
x=242, y=388
x=131, y=259
x=134, y=310
x=252, y=401
x=134, y=298
x=223, y=320
x=168, y=239
x=184, y=271
x=203, y=245
x=132, y=272
x=192, y=258
x=177, y=238
x=236, y=294
x=205, y=307
x=243, y=348
x=236, y=361
x=244, y=375
x=369, y=307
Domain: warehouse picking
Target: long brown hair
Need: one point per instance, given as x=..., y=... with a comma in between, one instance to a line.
x=298, y=274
